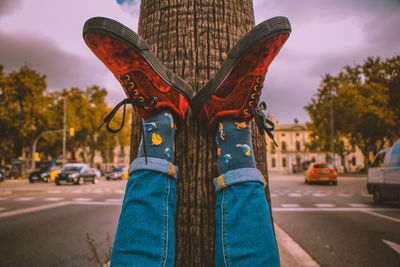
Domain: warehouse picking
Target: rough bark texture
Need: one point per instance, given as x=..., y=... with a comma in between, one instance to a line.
x=192, y=38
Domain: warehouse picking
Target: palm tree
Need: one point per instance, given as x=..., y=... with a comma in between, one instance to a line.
x=192, y=38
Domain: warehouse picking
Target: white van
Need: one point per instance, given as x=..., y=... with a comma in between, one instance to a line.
x=384, y=175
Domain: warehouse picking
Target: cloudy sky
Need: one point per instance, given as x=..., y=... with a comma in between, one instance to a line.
x=326, y=36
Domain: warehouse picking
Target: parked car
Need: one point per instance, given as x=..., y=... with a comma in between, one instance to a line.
x=320, y=172
x=2, y=176
x=45, y=174
x=77, y=173
x=384, y=175
x=118, y=173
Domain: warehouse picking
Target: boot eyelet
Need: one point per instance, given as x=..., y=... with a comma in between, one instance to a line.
x=141, y=99
x=135, y=92
x=131, y=85
x=251, y=103
x=246, y=111
x=255, y=87
x=253, y=95
x=127, y=77
x=258, y=79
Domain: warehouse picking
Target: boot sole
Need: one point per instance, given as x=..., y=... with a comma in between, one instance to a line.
x=125, y=35
x=256, y=36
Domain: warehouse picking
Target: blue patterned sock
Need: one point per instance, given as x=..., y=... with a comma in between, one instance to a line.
x=159, y=134
x=234, y=146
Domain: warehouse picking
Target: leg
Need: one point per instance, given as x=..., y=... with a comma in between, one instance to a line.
x=244, y=235
x=146, y=228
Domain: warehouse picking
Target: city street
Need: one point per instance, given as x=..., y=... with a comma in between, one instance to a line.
x=45, y=225
x=337, y=225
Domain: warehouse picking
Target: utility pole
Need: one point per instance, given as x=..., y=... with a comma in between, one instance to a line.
x=332, y=131
x=33, y=163
x=64, y=132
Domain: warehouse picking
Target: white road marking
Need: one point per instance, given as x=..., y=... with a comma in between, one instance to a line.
x=394, y=246
x=2, y=198
x=324, y=205
x=119, y=191
x=82, y=199
x=290, y=205
x=319, y=195
x=344, y=195
x=53, y=199
x=28, y=210
x=98, y=191
x=113, y=200
x=301, y=257
x=6, y=193
x=24, y=198
x=368, y=211
x=54, y=191
x=2, y=208
x=77, y=191
x=273, y=195
x=294, y=195
x=358, y=205
x=97, y=203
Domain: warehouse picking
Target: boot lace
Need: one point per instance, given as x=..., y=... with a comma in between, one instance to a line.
x=264, y=125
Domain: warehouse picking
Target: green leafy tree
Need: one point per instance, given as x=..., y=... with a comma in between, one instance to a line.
x=364, y=106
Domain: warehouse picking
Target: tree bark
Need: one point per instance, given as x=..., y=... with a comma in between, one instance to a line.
x=192, y=38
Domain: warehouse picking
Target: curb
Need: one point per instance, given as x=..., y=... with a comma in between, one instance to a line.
x=290, y=253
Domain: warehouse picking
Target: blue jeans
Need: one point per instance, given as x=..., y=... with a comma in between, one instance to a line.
x=146, y=230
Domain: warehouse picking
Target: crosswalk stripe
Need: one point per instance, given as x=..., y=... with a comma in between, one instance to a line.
x=113, y=200
x=324, y=205
x=24, y=198
x=82, y=199
x=290, y=205
x=53, y=199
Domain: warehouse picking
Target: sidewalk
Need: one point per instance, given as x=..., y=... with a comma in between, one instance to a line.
x=291, y=254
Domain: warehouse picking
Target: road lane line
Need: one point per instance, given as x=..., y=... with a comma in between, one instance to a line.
x=113, y=200
x=97, y=203
x=2, y=198
x=382, y=216
x=98, y=191
x=344, y=195
x=294, y=195
x=394, y=246
x=287, y=245
x=24, y=198
x=290, y=205
x=273, y=195
x=319, y=195
x=324, y=205
x=358, y=205
x=37, y=208
x=53, y=199
x=81, y=199
x=119, y=191
x=2, y=208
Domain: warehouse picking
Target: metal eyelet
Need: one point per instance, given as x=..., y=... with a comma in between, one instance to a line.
x=255, y=87
x=135, y=92
x=258, y=79
x=131, y=85
x=127, y=77
x=251, y=103
x=141, y=99
x=253, y=96
x=246, y=111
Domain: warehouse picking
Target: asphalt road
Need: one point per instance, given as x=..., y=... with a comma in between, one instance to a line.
x=46, y=225
x=337, y=225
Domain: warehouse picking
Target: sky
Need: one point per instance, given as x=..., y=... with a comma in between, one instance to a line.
x=326, y=36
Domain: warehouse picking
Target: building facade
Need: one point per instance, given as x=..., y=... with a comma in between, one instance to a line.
x=292, y=156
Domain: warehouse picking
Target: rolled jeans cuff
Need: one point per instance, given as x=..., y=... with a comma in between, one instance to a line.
x=238, y=176
x=154, y=164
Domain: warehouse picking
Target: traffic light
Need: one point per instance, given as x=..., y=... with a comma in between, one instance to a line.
x=71, y=131
x=37, y=156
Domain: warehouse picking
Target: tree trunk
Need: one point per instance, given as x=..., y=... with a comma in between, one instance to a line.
x=192, y=38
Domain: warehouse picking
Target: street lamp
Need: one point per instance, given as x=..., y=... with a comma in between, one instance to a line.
x=332, y=129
